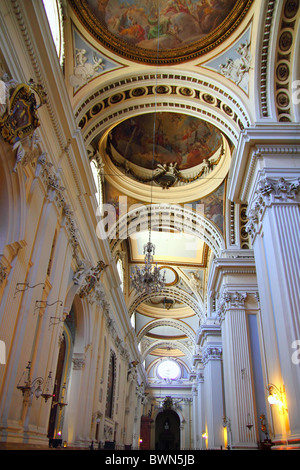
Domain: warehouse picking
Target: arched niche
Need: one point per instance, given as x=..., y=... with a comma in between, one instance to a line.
x=167, y=431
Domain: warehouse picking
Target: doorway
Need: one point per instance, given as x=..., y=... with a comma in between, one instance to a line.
x=167, y=431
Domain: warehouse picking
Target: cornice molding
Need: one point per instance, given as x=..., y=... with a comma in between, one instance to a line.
x=274, y=139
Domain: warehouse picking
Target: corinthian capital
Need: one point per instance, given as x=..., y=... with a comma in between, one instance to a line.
x=230, y=300
x=270, y=191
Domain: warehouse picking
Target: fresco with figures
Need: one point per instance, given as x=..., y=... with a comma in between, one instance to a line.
x=171, y=23
x=181, y=139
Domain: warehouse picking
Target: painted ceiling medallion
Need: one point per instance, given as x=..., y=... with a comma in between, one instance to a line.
x=183, y=148
x=161, y=31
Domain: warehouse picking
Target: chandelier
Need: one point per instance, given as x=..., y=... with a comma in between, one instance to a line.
x=148, y=279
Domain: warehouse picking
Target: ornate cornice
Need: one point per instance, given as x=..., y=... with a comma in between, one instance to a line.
x=174, y=91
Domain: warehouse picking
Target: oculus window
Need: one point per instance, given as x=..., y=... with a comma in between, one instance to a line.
x=169, y=370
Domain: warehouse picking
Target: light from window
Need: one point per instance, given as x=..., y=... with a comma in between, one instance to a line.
x=53, y=13
x=97, y=181
x=169, y=370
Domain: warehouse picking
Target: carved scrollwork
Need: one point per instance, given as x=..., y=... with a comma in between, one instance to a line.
x=269, y=191
x=230, y=300
x=20, y=118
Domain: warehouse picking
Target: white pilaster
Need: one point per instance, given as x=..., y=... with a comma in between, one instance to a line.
x=266, y=175
x=237, y=370
x=274, y=225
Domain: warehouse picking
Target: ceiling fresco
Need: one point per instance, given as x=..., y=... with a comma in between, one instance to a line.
x=161, y=31
x=164, y=138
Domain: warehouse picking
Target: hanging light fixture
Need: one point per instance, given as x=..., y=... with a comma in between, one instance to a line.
x=149, y=279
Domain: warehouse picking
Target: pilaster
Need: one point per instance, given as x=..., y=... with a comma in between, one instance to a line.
x=238, y=382
x=267, y=176
x=211, y=347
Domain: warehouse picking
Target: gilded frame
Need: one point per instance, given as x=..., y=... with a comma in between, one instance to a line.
x=166, y=57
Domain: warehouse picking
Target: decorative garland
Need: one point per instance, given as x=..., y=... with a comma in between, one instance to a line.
x=168, y=177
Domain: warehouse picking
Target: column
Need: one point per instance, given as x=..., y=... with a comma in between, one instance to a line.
x=200, y=427
x=213, y=389
x=238, y=384
x=197, y=392
x=274, y=225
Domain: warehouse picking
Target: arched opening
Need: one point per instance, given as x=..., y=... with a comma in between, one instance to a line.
x=167, y=431
x=56, y=418
x=111, y=386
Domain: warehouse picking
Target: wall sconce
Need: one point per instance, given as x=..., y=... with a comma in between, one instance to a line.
x=48, y=387
x=276, y=396
x=249, y=425
x=24, y=286
x=61, y=403
x=31, y=387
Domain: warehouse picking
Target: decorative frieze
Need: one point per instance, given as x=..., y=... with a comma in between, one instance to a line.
x=88, y=277
x=55, y=192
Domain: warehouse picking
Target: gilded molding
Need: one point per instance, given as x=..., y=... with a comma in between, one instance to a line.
x=164, y=57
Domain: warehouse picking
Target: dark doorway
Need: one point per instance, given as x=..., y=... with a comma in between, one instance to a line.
x=167, y=431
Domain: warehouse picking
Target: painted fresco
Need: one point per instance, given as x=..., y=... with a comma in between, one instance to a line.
x=181, y=139
x=213, y=206
x=177, y=24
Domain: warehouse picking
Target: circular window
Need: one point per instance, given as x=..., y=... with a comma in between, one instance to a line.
x=169, y=370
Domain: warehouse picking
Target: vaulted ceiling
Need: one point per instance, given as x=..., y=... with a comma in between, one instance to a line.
x=161, y=91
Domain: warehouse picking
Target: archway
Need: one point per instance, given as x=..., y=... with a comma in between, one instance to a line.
x=167, y=431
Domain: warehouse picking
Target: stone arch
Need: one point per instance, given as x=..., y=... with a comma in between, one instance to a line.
x=212, y=100
x=166, y=344
x=167, y=430
x=169, y=322
x=172, y=216
x=181, y=296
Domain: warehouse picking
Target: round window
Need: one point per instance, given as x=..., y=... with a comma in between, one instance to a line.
x=168, y=370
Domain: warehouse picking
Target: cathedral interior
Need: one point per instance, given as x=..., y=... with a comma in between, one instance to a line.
x=149, y=229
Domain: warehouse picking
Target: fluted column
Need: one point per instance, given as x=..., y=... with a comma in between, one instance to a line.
x=213, y=390
x=237, y=370
x=274, y=226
